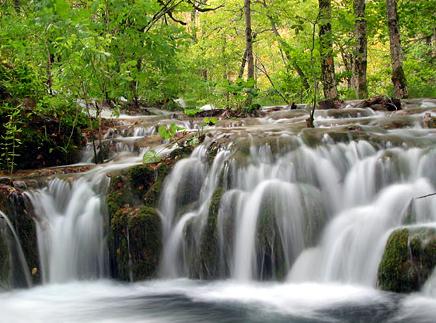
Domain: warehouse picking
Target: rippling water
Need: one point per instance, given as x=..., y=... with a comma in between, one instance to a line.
x=225, y=301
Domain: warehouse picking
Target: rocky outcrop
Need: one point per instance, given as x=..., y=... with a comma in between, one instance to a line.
x=135, y=241
x=408, y=260
x=135, y=225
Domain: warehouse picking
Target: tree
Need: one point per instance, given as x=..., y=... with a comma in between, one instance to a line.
x=249, y=40
x=361, y=51
x=326, y=50
x=398, y=76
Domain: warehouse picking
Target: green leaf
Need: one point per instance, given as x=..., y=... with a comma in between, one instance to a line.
x=151, y=157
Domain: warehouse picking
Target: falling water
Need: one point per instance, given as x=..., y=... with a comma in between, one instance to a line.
x=188, y=183
x=311, y=214
x=70, y=229
x=23, y=266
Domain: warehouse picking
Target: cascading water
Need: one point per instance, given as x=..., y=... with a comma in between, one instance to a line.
x=70, y=229
x=16, y=255
x=312, y=214
x=187, y=183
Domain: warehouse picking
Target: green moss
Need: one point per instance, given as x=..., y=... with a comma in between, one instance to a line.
x=269, y=250
x=141, y=178
x=135, y=235
x=209, y=258
x=408, y=260
x=151, y=197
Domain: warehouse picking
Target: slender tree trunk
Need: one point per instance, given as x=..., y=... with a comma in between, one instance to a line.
x=243, y=63
x=361, y=52
x=249, y=39
x=433, y=44
x=287, y=54
x=194, y=24
x=398, y=77
x=347, y=58
x=326, y=50
x=134, y=84
x=49, y=82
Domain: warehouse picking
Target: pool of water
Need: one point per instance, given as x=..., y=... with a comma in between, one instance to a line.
x=224, y=301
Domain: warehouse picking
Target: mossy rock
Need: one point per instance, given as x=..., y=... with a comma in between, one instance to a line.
x=409, y=259
x=137, y=243
x=269, y=250
x=135, y=229
x=209, y=257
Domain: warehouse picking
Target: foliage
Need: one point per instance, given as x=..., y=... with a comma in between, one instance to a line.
x=151, y=157
x=100, y=53
x=9, y=140
x=210, y=121
x=168, y=132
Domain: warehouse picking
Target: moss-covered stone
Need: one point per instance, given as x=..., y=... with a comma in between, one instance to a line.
x=269, y=249
x=135, y=226
x=209, y=257
x=137, y=243
x=408, y=260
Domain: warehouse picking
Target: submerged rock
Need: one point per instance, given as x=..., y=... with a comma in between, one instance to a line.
x=408, y=260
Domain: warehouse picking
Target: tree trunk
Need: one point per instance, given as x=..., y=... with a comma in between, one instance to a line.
x=326, y=50
x=398, y=77
x=17, y=5
x=243, y=63
x=249, y=40
x=49, y=81
x=361, y=52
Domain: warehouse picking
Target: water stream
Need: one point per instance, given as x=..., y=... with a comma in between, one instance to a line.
x=294, y=231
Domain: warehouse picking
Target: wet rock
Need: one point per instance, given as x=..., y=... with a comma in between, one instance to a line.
x=381, y=103
x=135, y=238
x=137, y=242
x=330, y=104
x=408, y=260
x=20, y=185
x=5, y=181
x=427, y=120
x=18, y=209
x=209, y=258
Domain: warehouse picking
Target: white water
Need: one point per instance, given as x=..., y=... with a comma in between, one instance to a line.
x=23, y=266
x=331, y=208
x=188, y=182
x=70, y=229
x=191, y=301
x=317, y=219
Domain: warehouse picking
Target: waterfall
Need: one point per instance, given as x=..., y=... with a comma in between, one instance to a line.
x=16, y=251
x=70, y=229
x=353, y=243
x=308, y=214
x=188, y=182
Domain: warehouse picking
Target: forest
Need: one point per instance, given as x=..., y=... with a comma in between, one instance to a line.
x=63, y=61
x=218, y=161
